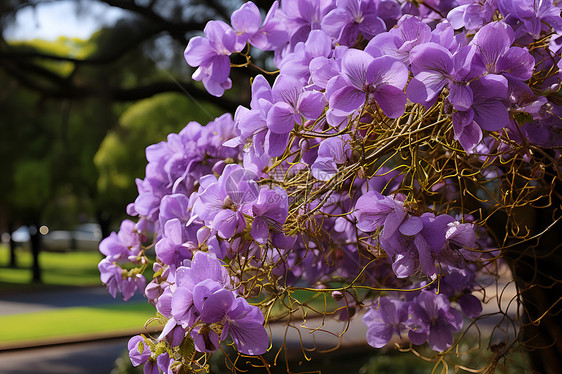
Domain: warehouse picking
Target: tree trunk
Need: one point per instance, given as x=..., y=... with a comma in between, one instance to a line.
x=13, y=257
x=537, y=271
x=104, y=220
x=35, y=239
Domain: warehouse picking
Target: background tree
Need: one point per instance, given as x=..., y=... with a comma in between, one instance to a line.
x=67, y=94
x=120, y=158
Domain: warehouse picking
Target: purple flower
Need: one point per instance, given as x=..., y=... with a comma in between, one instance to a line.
x=467, y=132
x=210, y=55
x=431, y=65
x=270, y=210
x=174, y=247
x=204, y=267
x=433, y=320
x=244, y=323
x=250, y=122
x=296, y=64
x=368, y=79
x=533, y=14
x=462, y=236
x=272, y=33
x=384, y=319
x=113, y=277
x=221, y=205
x=430, y=241
x=124, y=246
x=331, y=153
x=488, y=112
x=164, y=362
x=292, y=104
x=399, y=41
x=245, y=21
x=459, y=285
x=352, y=17
x=139, y=351
x=204, y=295
x=303, y=16
x=374, y=211
x=175, y=165
x=499, y=57
x=472, y=14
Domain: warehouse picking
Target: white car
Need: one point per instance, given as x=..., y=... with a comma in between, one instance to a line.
x=84, y=237
x=21, y=237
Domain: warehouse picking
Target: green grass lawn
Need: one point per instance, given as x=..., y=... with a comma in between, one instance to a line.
x=64, y=269
x=58, y=269
x=73, y=322
x=70, y=268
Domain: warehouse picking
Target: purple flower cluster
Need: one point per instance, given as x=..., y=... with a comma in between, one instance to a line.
x=433, y=244
x=274, y=196
x=211, y=53
x=119, y=249
x=427, y=315
x=163, y=205
x=204, y=303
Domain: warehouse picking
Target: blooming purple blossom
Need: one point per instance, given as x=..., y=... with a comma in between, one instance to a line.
x=296, y=64
x=210, y=54
x=384, y=319
x=204, y=297
x=374, y=211
x=369, y=79
x=303, y=16
x=223, y=202
x=270, y=212
x=351, y=17
x=494, y=42
x=472, y=14
x=291, y=105
x=123, y=246
x=534, y=15
x=117, y=280
x=331, y=153
x=433, y=320
x=139, y=352
x=399, y=41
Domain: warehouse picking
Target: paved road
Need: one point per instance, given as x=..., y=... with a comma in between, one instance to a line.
x=88, y=358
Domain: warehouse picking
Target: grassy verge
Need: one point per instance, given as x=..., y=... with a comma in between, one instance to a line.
x=74, y=322
x=57, y=269
x=63, y=269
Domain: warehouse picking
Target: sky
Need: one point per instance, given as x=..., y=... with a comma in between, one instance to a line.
x=53, y=19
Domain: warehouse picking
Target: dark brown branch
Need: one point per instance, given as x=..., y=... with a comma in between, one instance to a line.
x=176, y=29
x=71, y=91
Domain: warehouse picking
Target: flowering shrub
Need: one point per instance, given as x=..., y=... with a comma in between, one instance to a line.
x=365, y=169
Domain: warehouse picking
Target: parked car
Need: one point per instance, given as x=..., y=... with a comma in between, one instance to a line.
x=85, y=237
x=21, y=237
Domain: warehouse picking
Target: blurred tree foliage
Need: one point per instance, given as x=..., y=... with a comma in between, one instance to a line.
x=120, y=158
x=60, y=99
x=68, y=94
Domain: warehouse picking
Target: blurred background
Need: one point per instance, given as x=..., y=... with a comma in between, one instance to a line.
x=85, y=87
